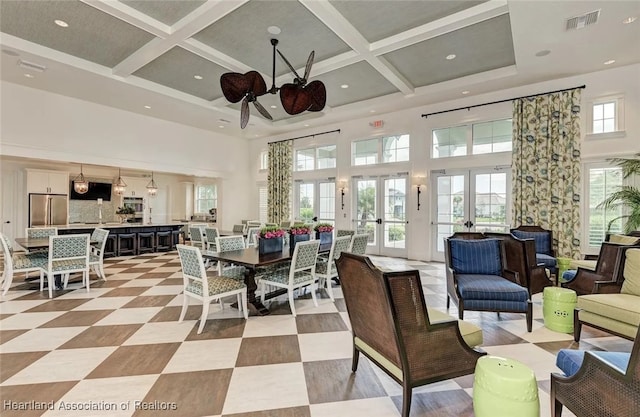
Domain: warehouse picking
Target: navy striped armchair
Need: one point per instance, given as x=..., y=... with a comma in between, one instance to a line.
x=477, y=279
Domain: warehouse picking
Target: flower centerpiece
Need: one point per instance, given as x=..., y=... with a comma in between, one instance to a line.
x=270, y=239
x=324, y=232
x=298, y=234
x=124, y=212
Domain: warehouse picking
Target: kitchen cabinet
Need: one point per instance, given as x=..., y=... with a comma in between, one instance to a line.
x=47, y=182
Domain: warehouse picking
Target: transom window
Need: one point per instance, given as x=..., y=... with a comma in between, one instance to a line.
x=385, y=149
x=206, y=198
x=315, y=158
x=604, y=117
x=481, y=138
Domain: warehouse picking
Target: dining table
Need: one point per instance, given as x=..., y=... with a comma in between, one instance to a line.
x=251, y=259
x=32, y=243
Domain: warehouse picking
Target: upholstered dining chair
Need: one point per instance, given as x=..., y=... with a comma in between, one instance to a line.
x=96, y=257
x=393, y=328
x=326, y=267
x=239, y=228
x=211, y=234
x=197, y=285
x=197, y=236
x=300, y=273
x=477, y=279
x=597, y=383
x=229, y=243
x=359, y=244
x=252, y=236
x=67, y=254
x=40, y=232
x=18, y=262
x=345, y=232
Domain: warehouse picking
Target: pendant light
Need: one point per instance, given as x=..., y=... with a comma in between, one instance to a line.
x=80, y=185
x=152, y=188
x=120, y=185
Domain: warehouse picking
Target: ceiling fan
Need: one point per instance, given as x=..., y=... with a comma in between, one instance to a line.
x=296, y=97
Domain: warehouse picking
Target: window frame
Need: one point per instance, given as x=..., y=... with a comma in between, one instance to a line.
x=196, y=206
x=315, y=157
x=469, y=144
x=379, y=150
x=619, y=114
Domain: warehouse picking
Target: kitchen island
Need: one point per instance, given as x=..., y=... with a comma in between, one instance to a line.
x=132, y=238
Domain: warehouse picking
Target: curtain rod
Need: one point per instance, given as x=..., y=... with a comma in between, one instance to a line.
x=306, y=136
x=501, y=101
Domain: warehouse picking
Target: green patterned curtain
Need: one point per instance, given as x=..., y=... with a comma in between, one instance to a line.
x=279, y=181
x=546, y=167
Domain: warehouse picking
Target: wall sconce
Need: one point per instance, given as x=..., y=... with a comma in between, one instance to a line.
x=419, y=182
x=342, y=184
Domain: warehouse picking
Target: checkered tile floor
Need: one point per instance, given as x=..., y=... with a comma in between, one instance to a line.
x=119, y=351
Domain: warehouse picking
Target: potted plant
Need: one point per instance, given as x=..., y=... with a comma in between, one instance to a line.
x=298, y=234
x=324, y=232
x=626, y=195
x=270, y=240
x=125, y=212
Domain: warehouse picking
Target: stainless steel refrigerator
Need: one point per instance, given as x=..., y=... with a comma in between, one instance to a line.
x=48, y=210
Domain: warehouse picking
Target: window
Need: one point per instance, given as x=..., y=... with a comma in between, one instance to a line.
x=262, y=204
x=494, y=136
x=386, y=149
x=606, y=117
x=315, y=199
x=481, y=138
x=206, y=198
x=315, y=158
x=601, y=182
x=264, y=160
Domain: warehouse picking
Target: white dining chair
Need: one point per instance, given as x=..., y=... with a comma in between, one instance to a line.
x=18, y=262
x=96, y=257
x=326, y=267
x=67, y=254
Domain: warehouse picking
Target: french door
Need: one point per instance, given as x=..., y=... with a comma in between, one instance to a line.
x=316, y=199
x=380, y=211
x=476, y=200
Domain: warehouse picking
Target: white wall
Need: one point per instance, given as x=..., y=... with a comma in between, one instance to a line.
x=624, y=80
x=42, y=125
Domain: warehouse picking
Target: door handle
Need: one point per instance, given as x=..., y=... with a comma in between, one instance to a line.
x=468, y=223
x=379, y=221
x=7, y=222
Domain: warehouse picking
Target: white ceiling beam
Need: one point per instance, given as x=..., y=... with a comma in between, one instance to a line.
x=214, y=55
x=130, y=15
x=330, y=16
x=191, y=24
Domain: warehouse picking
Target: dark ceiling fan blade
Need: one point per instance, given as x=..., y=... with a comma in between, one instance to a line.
x=294, y=99
x=256, y=83
x=307, y=69
x=244, y=113
x=318, y=94
x=262, y=110
x=234, y=86
x=289, y=65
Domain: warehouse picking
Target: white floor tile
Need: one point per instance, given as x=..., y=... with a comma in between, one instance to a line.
x=161, y=332
x=368, y=407
x=201, y=355
x=325, y=346
x=130, y=316
x=164, y=290
x=82, y=294
x=104, y=303
x=143, y=282
x=37, y=340
x=29, y=320
x=273, y=325
x=18, y=306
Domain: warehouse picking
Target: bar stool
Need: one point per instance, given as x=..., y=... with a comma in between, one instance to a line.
x=163, y=241
x=175, y=237
x=126, y=244
x=503, y=388
x=146, y=242
x=111, y=247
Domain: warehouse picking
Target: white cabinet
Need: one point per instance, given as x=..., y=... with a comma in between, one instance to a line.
x=47, y=182
x=136, y=187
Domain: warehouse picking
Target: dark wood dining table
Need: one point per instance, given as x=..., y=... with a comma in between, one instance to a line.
x=252, y=260
x=33, y=243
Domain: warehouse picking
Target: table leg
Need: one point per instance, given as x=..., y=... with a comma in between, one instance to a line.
x=255, y=306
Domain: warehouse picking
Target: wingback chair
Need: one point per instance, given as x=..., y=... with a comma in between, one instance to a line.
x=597, y=384
x=392, y=327
x=478, y=280
x=615, y=305
x=544, y=244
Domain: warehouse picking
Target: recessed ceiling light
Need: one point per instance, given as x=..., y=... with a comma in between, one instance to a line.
x=147, y=107
x=609, y=62
x=544, y=52
x=273, y=106
x=465, y=92
x=630, y=20
x=61, y=23
x=451, y=56
x=372, y=111
x=198, y=77
x=274, y=30
x=221, y=126
x=28, y=75
x=344, y=86
x=306, y=125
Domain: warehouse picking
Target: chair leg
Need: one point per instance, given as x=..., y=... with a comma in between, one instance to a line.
x=354, y=360
x=245, y=307
x=313, y=294
x=8, y=279
x=185, y=305
x=406, y=399
x=42, y=284
x=205, y=313
x=529, y=316
x=50, y=283
x=85, y=277
x=330, y=289
x=293, y=308
x=448, y=302
x=262, y=291
x=102, y=274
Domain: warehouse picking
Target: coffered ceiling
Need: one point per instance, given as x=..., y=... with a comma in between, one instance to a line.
x=371, y=55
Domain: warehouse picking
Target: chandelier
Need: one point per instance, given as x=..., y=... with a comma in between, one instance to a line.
x=80, y=184
x=296, y=97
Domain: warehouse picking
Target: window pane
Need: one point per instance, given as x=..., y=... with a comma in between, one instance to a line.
x=327, y=157
x=395, y=148
x=609, y=110
x=327, y=201
x=305, y=159
x=609, y=125
x=365, y=152
x=598, y=126
x=494, y=136
x=602, y=182
x=305, y=203
x=451, y=141
x=598, y=110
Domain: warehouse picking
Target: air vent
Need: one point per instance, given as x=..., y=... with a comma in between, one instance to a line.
x=31, y=66
x=579, y=22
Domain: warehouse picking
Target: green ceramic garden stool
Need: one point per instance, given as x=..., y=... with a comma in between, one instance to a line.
x=504, y=388
x=557, y=307
x=563, y=265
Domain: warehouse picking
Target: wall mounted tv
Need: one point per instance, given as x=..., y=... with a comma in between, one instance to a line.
x=96, y=190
